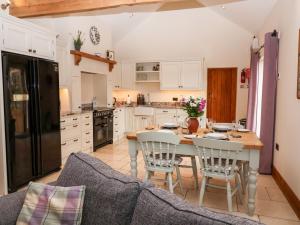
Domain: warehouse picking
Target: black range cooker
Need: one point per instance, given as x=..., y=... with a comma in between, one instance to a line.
x=103, y=127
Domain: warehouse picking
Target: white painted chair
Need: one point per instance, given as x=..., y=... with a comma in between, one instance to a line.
x=159, y=152
x=218, y=159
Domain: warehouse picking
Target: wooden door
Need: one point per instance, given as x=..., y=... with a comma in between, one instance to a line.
x=221, y=94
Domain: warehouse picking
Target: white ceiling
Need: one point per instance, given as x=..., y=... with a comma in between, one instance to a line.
x=248, y=14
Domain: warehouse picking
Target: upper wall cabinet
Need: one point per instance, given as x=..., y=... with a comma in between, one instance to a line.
x=181, y=75
x=26, y=39
x=124, y=76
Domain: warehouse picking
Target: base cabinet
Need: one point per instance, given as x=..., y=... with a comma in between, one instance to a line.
x=76, y=134
x=141, y=122
x=119, y=123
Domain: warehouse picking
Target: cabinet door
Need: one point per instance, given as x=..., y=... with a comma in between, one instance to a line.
x=170, y=76
x=117, y=77
x=161, y=119
x=128, y=76
x=42, y=45
x=181, y=116
x=16, y=38
x=129, y=119
x=76, y=93
x=190, y=75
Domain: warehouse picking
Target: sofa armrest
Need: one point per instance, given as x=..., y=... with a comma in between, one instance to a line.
x=10, y=207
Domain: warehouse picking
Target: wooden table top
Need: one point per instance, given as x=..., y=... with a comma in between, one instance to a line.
x=250, y=140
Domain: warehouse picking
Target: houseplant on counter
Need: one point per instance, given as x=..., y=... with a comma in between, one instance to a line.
x=194, y=108
x=77, y=40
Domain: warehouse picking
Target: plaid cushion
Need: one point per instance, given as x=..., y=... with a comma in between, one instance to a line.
x=45, y=204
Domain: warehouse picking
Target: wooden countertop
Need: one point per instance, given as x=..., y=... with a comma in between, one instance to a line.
x=250, y=140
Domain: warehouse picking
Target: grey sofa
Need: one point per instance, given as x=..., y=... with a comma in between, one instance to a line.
x=114, y=199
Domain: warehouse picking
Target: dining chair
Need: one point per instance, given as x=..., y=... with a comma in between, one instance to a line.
x=218, y=159
x=159, y=153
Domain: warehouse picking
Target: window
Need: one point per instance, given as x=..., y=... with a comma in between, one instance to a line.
x=259, y=95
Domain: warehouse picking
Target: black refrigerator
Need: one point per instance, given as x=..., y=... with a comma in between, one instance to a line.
x=32, y=118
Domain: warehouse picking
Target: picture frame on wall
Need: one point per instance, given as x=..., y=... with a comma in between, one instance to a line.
x=110, y=55
x=298, y=75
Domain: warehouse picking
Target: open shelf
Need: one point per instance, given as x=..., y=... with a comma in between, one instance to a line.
x=147, y=72
x=79, y=55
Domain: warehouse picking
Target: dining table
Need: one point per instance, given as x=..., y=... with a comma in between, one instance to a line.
x=251, y=153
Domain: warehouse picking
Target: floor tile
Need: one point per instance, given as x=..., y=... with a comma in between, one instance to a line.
x=276, y=194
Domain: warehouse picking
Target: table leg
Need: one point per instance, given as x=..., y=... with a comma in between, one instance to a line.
x=254, y=164
x=133, y=158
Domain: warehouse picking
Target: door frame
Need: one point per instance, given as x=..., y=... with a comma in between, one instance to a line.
x=234, y=109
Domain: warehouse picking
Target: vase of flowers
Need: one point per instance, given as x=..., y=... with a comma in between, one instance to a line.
x=78, y=41
x=194, y=108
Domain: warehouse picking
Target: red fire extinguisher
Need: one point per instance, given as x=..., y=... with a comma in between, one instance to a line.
x=243, y=76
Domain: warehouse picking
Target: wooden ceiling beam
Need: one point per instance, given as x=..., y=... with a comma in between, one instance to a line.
x=34, y=8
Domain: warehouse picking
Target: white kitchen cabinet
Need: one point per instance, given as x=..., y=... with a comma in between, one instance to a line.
x=190, y=75
x=163, y=116
x=181, y=116
x=87, y=132
x=141, y=122
x=119, y=123
x=70, y=127
x=124, y=76
x=180, y=75
x=117, y=76
x=16, y=38
x=26, y=38
x=43, y=45
x=128, y=75
x=76, y=93
x=170, y=75
x=129, y=119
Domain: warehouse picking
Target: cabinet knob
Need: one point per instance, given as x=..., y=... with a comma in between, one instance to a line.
x=34, y=51
x=30, y=50
x=75, y=140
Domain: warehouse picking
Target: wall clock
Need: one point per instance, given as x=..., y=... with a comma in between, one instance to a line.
x=94, y=35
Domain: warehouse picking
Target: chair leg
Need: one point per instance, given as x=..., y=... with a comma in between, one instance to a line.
x=194, y=167
x=170, y=182
x=179, y=178
x=202, y=191
x=238, y=184
x=229, y=196
x=166, y=178
x=241, y=175
x=147, y=175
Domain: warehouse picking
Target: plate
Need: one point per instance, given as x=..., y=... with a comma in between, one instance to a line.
x=216, y=136
x=170, y=125
x=190, y=136
x=222, y=127
x=243, y=130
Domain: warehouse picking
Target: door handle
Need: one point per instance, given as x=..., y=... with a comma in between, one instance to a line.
x=75, y=125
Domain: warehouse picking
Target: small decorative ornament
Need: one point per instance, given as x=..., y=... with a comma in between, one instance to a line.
x=110, y=55
x=94, y=35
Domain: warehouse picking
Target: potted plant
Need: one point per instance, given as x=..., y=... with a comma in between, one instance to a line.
x=194, y=108
x=78, y=42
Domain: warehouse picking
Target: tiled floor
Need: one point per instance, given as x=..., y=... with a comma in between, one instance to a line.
x=272, y=207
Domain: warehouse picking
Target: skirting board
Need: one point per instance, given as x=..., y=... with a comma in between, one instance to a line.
x=287, y=191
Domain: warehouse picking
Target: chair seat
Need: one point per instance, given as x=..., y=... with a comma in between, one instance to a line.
x=164, y=161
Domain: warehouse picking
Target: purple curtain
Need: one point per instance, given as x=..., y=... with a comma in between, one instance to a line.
x=268, y=110
x=252, y=94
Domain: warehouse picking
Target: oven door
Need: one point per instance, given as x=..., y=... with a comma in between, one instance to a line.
x=100, y=132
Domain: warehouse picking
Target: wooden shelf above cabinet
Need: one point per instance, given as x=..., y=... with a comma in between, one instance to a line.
x=78, y=55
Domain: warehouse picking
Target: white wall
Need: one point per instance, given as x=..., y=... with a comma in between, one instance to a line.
x=187, y=34
x=285, y=17
x=66, y=28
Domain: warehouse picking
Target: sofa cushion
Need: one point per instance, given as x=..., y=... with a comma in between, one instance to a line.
x=159, y=207
x=110, y=196
x=47, y=204
x=10, y=207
